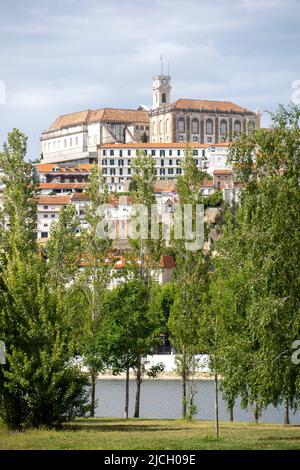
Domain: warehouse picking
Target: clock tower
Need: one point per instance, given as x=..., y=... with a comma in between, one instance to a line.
x=161, y=91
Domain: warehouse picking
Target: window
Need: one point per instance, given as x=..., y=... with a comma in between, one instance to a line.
x=104, y=171
x=45, y=225
x=46, y=207
x=45, y=216
x=141, y=128
x=195, y=152
x=153, y=153
x=128, y=171
x=162, y=153
x=195, y=139
x=153, y=128
x=163, y=98
x=121, y=171
x=111, y=162
x=237, y=127
x=177, y=162
x=160, y=126
x=170, y=171
x=223, y=127
x=181, y=138
x=251, y=127
x=136, y=128
x=112, y=171
x=147, y=128
x=196, y=161
x=52, y=216
x=129, y=153
x=209, y=139
x=195, y=126
x=104, y=162
x=181, y=125
x=162, y=163
x=167, y=125
x=111, y=152
x=162, y=171
x=170, y=152
x=65, y=143
x=209, y=126
x=178, y=171
x=44, y=234
x=103, y=153
x=178, y=153
x=170, y=162
x=121, y=162
x=76, y=140
x=121, y=153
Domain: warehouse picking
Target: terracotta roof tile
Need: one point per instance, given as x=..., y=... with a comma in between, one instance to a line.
x=49, y=168
x=150, y=145
x=209, y=105
x=62, y=185
x=223, y=172
x=128, y=116
x=53, y=200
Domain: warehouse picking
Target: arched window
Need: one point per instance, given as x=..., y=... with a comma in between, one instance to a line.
x=223, y=127
x=181, y=126
x=167, y=126
x=209, y=126
x=160, y=127
x=237, y=127
x=153, y=128
x=251, y=127
x=163, y=98
x=195, y=126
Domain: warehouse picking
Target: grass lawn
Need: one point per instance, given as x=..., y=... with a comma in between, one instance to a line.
x=153, y=434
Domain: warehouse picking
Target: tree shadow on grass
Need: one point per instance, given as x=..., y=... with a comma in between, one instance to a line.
x=102, y=427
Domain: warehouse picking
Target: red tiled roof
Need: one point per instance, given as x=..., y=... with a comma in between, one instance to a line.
x=150, y=145
x=49, y=168
x=223, y=172
x=128, y=116
x=80, y=197
x=207, y=184
x=209, y=105
x=53, y=200
x=62, y=185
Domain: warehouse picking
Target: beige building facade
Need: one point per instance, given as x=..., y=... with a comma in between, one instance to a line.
x=196, y=121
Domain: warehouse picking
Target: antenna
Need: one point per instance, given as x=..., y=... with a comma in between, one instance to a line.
x=168, y=68
x=161, y=65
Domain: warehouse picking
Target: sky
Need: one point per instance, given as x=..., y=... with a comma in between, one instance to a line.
x=62, y=56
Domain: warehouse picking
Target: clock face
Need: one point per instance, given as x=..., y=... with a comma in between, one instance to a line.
x=164, y=81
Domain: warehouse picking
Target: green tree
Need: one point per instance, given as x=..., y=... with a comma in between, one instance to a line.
x=256, y=282
x=95, y=279
x=129, y=330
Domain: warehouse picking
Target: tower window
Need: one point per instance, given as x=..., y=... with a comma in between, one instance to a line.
x=163, y=98
x=195, y=126
x=223, y=127
x=237, y=127
x=181, y=125
x=209, y=126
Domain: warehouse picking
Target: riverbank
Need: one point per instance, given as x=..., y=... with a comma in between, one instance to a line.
x=112, y=434
x=171, y=375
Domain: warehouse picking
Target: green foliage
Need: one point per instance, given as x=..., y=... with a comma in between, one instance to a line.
x=214, y=200
x=255, y=290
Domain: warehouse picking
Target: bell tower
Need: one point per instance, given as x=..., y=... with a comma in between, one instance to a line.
x=161, y=91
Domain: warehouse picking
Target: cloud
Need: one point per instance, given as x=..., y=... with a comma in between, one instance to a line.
x=65, y=55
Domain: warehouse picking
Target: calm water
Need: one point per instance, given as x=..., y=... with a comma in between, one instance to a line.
x=162, y=399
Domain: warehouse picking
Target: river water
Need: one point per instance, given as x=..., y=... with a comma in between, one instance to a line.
x=161, y=398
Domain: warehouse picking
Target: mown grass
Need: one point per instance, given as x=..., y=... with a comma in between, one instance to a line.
x=153, y=434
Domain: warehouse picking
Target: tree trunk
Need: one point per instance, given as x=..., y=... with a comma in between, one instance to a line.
x=231, y=413
x=184, y=374
x=256, y=413
x=138, y=392
x=126, y=394
x=287, y=413
x=93, y=393
x=216, y=406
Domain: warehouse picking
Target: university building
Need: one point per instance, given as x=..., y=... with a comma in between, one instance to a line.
x=193, y=120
